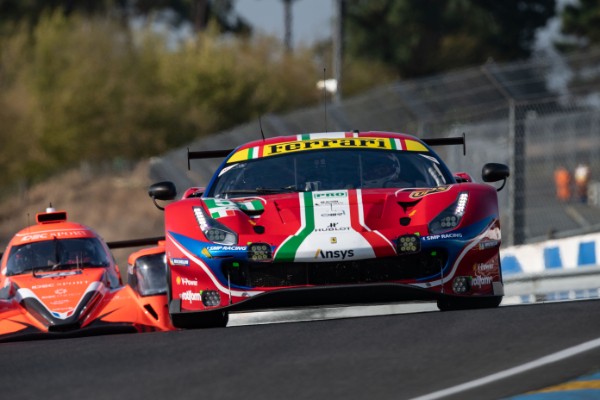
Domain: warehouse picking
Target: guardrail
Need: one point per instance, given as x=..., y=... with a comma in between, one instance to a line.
x=559, y=269
x=553, y=285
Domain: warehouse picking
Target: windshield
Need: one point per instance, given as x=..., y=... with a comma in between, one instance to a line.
x=330, y=170
x=56, y=254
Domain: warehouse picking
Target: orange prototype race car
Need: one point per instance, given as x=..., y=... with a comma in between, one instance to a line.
x=59, y=278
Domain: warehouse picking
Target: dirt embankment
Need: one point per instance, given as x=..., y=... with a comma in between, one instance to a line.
x=115, y=206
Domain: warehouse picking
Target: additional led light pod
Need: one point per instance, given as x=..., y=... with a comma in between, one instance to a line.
x=259, y=252
x=211, y=298
x=461, y=284
x=408, y=244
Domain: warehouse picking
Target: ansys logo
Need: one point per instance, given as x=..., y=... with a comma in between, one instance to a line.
x=334, y=254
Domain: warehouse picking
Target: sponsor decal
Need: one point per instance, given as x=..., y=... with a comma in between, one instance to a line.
x=488, y=244
x=66, y=283
x=479, y=280
x=484, y=267
x=333, y=213
x=453, y=235
x=333, y=226
x=334, y=254
x=190, y=296
x=227, y=248
x=42, y=286
x=57, y=234
x=333, y=240
x=329, y=195
x=422, y=193
x=186, y=282
x=60, y=291
x=183, y=262
x=318, y=143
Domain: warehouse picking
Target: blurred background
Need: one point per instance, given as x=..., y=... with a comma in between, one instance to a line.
x=100, y=99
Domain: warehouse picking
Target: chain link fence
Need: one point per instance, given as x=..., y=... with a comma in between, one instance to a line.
x=534, y=116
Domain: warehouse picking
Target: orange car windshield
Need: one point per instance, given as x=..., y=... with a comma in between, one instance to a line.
x=56, y=254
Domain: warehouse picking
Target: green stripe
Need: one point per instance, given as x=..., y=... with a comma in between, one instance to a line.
x=287, y=251
x=305, y=136
x=393, y=144
x=210, y=203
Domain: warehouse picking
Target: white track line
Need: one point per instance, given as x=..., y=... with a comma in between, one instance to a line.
x=549, y=359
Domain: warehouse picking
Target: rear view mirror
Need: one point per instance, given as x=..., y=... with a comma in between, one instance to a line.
x=162, y=191
x=494, y=172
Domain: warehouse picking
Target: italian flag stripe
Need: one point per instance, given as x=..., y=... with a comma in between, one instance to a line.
x=287, y=250
x=381, y=246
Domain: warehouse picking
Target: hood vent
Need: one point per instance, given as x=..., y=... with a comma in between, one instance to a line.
x=406, y=205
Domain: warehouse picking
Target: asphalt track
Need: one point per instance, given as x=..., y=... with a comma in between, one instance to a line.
x=475, y=354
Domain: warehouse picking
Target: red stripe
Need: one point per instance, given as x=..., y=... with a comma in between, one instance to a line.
x=380, y=246
x=403, y=142
x=261, y=149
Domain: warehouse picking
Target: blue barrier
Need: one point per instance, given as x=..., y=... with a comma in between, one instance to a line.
x=573, y=252
x=510, y=265
x=586, y=254
x=552, y=258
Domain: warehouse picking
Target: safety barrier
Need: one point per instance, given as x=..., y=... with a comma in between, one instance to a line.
x=553, y=270
x=570, y=253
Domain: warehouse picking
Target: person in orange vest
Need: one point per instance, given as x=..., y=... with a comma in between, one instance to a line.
x=562, y=179
x=582, y=178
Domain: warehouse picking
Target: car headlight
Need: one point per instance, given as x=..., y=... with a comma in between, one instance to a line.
x=451, y=216
x=214, y=231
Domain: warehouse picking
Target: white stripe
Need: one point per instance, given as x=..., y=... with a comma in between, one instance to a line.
x=26, y=293
x=399, y=144
x=540, y=362
x=361, y=218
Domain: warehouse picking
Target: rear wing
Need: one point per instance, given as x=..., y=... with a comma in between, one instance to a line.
x=195, y=155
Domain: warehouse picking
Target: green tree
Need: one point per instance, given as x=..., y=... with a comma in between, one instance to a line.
x=422, y=37
x=77, y=88
x=196, y=12
x=582, y=20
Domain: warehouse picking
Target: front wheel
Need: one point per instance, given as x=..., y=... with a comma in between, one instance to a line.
x=468, y=303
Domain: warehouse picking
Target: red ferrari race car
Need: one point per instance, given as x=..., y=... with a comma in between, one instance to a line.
x=331, y=218
x=59, y=278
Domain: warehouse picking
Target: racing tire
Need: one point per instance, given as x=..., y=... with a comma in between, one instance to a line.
x=468, y=303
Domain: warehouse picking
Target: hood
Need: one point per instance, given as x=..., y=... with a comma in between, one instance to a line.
x=60, y=300
x=334, y=225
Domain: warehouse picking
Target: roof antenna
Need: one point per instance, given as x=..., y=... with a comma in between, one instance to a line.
x=260, y=125
x=325, y=97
